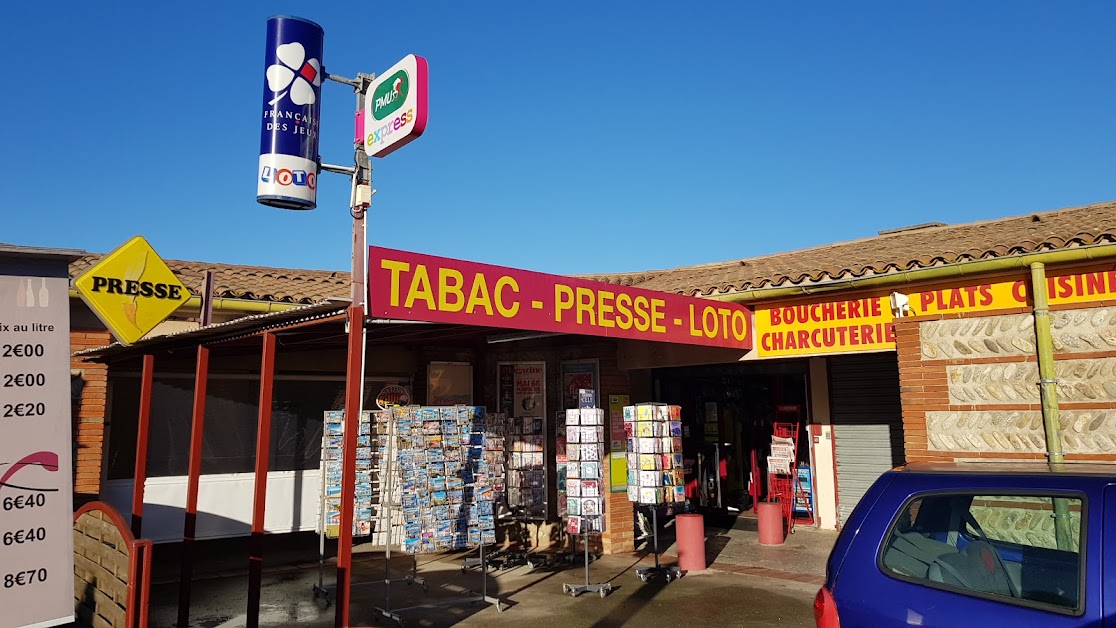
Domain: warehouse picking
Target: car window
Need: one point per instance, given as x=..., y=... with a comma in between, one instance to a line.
x=1014, y=548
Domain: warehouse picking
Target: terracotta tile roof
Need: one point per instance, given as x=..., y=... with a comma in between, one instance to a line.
x=256, y=283
x=894, y=251
x=902, y=250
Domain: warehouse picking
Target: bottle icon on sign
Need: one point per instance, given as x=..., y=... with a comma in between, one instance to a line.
x=30, y=295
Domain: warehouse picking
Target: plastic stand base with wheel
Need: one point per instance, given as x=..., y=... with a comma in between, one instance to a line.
x=577, y=589
x=396, y=615
x=669, y=572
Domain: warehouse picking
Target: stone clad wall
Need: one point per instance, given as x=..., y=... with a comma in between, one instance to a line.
x=101, y=571
x=970, y=385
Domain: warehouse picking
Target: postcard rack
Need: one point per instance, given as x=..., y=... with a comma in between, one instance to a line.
x=437, y=454
x=373, y=472
x=585, y=450
x=655, y=469
x=669, y=572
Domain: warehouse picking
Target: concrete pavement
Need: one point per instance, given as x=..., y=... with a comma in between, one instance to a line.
x=533, y=597
x=747, y=585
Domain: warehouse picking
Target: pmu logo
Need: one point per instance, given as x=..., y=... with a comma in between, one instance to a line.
x=390, y=95
x=286, y=176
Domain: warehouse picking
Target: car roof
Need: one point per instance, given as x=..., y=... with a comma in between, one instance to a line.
x=1036, y=467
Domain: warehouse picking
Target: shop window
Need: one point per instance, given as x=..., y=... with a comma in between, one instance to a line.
x=230, y=424
x=1001, y=547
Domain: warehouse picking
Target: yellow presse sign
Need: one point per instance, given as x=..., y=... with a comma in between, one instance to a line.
x=131, y=290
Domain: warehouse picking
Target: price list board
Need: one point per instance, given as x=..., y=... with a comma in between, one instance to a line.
x=36, y=501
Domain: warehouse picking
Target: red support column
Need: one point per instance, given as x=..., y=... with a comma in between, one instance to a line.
x=143, y=431
x=193, y=476
x=354, y=388
x=263, y=459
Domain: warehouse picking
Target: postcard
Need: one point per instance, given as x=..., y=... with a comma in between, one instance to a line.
x=573, y=525
x=590, y=470
x=590, y=488
x=573, y=417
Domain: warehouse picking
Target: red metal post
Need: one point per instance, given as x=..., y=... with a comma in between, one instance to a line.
x=353, y=389
x=193, y=477
x=263, y=459
x=143, y=431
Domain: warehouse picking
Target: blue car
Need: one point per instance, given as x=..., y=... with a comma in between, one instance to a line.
x=977, y=544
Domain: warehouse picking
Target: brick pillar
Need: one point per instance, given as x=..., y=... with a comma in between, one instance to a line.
x=923, y=387
x=89, y=411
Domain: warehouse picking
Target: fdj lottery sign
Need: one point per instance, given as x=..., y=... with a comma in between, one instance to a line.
x=287, y=175
x=395, y=107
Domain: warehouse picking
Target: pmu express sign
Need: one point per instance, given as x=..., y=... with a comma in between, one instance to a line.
x=410, y=286
x=395, y=106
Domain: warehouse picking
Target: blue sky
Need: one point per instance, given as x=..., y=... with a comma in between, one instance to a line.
x=565, y=137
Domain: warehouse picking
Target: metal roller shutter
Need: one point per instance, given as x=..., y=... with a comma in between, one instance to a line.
x=867, y=420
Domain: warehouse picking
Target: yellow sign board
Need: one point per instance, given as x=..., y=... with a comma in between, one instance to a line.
x=865, y=323
x=131, y=290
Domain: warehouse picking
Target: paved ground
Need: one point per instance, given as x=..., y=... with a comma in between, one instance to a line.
x=735, y=543
x=747, y=585
x=533, y=597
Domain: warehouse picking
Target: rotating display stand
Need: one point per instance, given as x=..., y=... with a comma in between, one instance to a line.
x=655, y=475
x=577, y=589
x=428, y=439
x=669, y=572
x=584, y=499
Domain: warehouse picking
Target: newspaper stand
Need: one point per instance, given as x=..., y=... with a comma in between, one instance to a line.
x=782, y=469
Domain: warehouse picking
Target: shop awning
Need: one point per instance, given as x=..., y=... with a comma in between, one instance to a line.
x=330, y=309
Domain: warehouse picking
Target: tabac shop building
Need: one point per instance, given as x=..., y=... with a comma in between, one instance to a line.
x=916, y=344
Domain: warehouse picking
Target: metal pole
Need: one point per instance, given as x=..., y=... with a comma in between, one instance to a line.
x=586, y=541
x=385, y=504
x=353, y=390
x=263, y=460
x=193, y=476
x=1048, y=388
x=143, y=432
x=354, y=373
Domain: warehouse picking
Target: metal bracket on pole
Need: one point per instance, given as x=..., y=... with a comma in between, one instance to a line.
x=344, y=81
x=345, y=170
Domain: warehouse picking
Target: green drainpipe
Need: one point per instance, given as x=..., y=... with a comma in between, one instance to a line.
x=1048, y=388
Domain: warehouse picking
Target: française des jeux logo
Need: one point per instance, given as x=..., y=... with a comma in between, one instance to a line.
x=295, y=82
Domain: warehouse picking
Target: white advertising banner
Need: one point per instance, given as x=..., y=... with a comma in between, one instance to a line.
x=36, y=501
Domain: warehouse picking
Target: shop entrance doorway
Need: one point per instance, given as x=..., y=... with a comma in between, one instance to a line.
x=729, y=414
